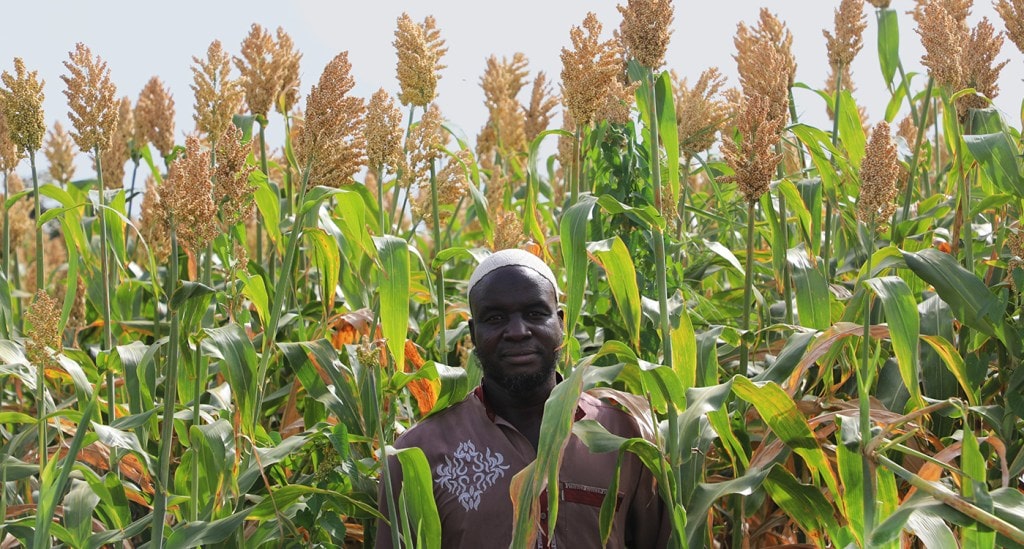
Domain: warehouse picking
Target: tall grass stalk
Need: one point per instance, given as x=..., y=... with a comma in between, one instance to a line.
x=7, y=231
x=912, y=176
x=577, y=166
x=748, y=289
x=283, y=283
x=864, y=377
x=108, y=340
x=266, y=171
x=442, y=340
x=170, y=392
x=39, y=215
x=659, y=234
x=398, y=177
x=826, y=251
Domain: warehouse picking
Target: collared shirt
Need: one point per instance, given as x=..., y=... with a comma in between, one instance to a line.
x=474, y=453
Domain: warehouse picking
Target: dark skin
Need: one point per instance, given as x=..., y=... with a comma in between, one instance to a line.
x=516, y=328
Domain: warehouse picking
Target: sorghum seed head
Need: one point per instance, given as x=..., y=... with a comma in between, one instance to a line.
x=187, y=195
x=383, y=132
x=331, y=140
x=60, y=153
x=753, y=158
x=232, y=192
x=153, y=223
x=90, y=94
x=425, y=142
x=218, y=96
x=419, y=48
x=646, y=29
x=23, y=107
x=878, y=174
x=154, y=117
x=943, y=38
x=20, y=220
x=286, y=60
x=119, y=151
x=589, y=71
x=508, y=231
x=765, y=63
x=260, y=76
x=43, y=336
x=850, y=22
x=501, y=82
x=452, y=185
x=9, y=155
x=979, y=68
x=542, y=103
x=1012, y=13
x=701, y=111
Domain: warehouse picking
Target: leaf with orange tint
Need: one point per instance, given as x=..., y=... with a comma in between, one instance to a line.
x=423, y=390
x=350, y=327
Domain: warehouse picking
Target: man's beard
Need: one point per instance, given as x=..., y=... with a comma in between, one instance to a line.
x=518, y=384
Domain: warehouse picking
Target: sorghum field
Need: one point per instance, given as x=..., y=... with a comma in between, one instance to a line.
x=820, y=327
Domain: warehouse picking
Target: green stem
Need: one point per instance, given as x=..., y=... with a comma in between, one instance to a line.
x=108, y=340
x=170, y=390
x=266, y=172
x=442, y=339
x=836, y=109
x=787, y=284
x=863, y=395
x=200, y=383
x=748, y=289
x=659, y=235
x=7, y=233
x=405, y=147
x=131, y=188
x=909, y=191
x=39, y=227
x=577, y=169
x=280, y=289
x=378, y=172
x=943, y=494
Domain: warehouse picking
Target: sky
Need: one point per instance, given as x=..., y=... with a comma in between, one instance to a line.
x=138, y=42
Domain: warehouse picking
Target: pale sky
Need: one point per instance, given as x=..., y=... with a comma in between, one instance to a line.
x=138, y=41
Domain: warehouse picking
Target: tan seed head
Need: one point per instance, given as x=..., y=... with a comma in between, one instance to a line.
x=218, y=96
x=850, y=22
x=419, y=48
x=383, y=132
x=60, y=153
x=91, y=97
x=646, y=29
x=154, y=117
x=590, y=71
x=23, y=107
x=878, y=174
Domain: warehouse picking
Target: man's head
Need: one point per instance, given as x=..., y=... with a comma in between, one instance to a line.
x=516, y=324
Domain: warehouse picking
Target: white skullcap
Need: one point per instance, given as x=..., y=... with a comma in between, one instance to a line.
x=511, y=258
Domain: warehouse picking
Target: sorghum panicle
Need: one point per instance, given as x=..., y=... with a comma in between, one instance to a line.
x=979, y=68
x=425, y=142
x=59, y=151
x=850, y=22
x=119, y=151
x=260, y=76
x=383, y=131
x=154, y=117
x=91, y=97
x=646, y=29
x=878, y=174
x=286, y=58
x=753, y=157
x=187, y=196
x=508, y=231
x=701, y=111
x=9, y=155
x=419, y=48
x=765, y=63
x=153, y=223
x=19, y=215
x=1012, y=13
x=590, y=70
x=43, y=319
x=543, y=102
x=23, y=107
x=218, y=96
x=231, y=190
x=452, y=185
x=502, y=80
x=331, y=138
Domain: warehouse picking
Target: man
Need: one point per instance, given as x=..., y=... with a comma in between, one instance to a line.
x=477, y=446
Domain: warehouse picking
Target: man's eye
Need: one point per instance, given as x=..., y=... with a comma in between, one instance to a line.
x=494, y=318
x=538, y=314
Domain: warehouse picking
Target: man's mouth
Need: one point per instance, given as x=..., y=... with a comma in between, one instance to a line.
x=520, y=357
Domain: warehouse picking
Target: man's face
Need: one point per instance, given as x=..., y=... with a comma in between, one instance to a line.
x=516, y=328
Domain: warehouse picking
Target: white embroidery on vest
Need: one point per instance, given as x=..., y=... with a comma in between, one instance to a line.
x=470, y=473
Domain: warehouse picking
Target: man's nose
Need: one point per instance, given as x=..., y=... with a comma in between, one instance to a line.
x=517, y=327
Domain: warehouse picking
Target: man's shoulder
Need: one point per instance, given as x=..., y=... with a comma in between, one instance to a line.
x=438, y=424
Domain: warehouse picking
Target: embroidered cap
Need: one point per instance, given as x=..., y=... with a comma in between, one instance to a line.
x=511, y=258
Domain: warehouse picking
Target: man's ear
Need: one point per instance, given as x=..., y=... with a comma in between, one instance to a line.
x=472, y=332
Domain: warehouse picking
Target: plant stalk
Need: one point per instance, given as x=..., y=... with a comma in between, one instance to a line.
x=748, y=289
x=659, y=235
x=39, y=227
x=863, y=395
x=442, y=339
x=170, y=392
x=826, y=251
x=108, y=340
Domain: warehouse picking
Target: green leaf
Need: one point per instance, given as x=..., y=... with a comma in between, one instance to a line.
x=78, y=506
x=417, y=497
x=968, y=297
x=54, y=479
x=573, y=231
x=255, y=289
x=812, y=293
x=888, y=43
x=851, y=130
x=806, y=505
x=974, y=488
x=668, y=131
x=614, y=257
x=779, y=411
x=327, y=259
x=268, y=202
x=904, y=329
x=998, y=156
x=195, y=533
x=393, y=286
x=238, y=363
